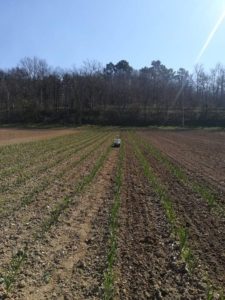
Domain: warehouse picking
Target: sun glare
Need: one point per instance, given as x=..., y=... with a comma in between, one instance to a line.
x=210, y=36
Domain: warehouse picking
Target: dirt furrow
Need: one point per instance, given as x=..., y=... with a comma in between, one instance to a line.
x=149, y=266
x=205, y=229
x=35, y=168
x=40, y=154
x=19, y=227
x=40, y=182
x=73, y=254
x=11, y=155
x=74, y=246
x=200, y=153
x=15, y=135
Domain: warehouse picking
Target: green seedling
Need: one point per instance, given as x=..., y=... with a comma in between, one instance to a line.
x=162, y=193
x=13, y=269
x=16, y=261
x=200, y=189
x=183, y=237
x=109, y=276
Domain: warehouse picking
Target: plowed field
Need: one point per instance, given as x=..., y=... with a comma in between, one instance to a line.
x=80, y=219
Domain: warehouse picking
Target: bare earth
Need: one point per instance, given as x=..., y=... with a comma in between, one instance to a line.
x=14, y=136
x=66, y=254
x=198, y=151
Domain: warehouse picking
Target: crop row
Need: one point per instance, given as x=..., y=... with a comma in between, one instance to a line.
x=49, y=178
x=38, y=152
x=202, y=190
x=10, y=273
x=161, y=191
x=180, y=232
x=109, y=276
x=12, y=153
x=21, y=171
x=24, y=174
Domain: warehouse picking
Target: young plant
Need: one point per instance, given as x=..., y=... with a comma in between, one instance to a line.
x=162, y=192
x=200, y=189
x=109, y=276
x=16, y=262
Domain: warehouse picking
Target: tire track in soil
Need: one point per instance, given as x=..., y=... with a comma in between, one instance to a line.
x=20, y=226
x=149, y=265
x=205, y=230
x=74, y=252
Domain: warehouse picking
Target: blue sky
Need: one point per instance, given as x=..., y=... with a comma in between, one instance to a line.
x=68, y=32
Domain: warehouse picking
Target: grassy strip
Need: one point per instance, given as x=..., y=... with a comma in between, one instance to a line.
x=109, y=274
x=10, y=277
x=175, y=170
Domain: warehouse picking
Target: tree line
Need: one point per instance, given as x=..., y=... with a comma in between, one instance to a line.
x=114, y=94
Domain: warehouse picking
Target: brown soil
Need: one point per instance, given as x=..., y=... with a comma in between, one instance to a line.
x=70, y=259
x=18, y=228
x=199, y=152
x=149, y=266
x=59, y=169
x=14, y=136
x=205, y=228
x=69, y=262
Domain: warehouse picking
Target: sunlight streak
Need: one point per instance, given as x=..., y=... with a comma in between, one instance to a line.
x=202, y=51
x=210, y=37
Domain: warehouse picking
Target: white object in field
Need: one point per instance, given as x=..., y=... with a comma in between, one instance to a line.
x=117, y=142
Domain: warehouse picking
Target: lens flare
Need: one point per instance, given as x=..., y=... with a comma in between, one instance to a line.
x=202, y=51
x=210, y=37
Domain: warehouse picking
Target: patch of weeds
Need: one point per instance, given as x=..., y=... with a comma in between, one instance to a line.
x=221, y=295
